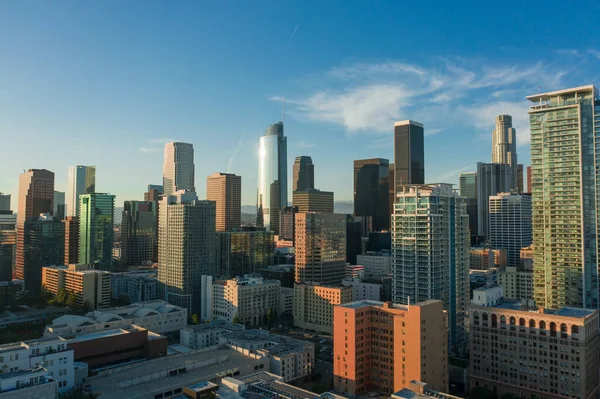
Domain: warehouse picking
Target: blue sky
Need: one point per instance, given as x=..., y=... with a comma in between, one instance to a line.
x=108, y=82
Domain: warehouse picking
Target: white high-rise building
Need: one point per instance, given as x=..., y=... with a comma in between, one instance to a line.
x=510, y=224
x=81, y=180
x=186, y=248
x=178, y=168
x=272, y=175
x=504, y=145
x=430, y=252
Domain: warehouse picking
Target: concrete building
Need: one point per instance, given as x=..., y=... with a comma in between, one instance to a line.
x=410, y=343
x=243, y=252
x=96, y=223
x=287, y=217
x=59, y=205
x=517, y=284
x=468, y=189
x=430, y=236
x=178, y=168
x=186, y=248
x=313, y=305
x=371, y=191
x=137, y=286
x=526, y=256
x=272, y=176
x=5, y=203
x=565, y=249
x=362, y=290
x=510, y=224
x=206, y=335
x=8, y=238
x=528, y=180
x=420, y=390
x=492, y=178
x=225, y=189
x=139, y=227
x=355, y=271
x=313, y=201
x=31, y=316
x=92, y=287
x=81, y=180
x=486, y=258
x=286, y=301
x=154, y=192
x=283, y=273
x=246, y=300
x=376, y=263
x=28, y=383
x=303, y=174
x=71, y=253
x=409, y=154
x=504, y=147
x=532, y=354
x=520, y=179
x=320, y=248
x=156, y=316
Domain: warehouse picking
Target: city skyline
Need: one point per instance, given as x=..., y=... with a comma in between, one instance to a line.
x=346, y=95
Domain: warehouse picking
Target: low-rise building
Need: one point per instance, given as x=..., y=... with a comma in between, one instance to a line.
x=28, y=383
x=205, y=335
x=313, y=305
x=91, y=287
x=376, y=263
x=421, y=390
x=138, y=286
x=526, y=258
x=355, y=271
x=286, y=300
x=31, y=315
x=517, y=284
x=283, y=273
x=362, y=290
x=486, y=258
x=247, y=299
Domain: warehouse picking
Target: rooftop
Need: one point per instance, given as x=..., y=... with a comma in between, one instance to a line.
x=408, y=122
x=513, y=304
x=550, y=94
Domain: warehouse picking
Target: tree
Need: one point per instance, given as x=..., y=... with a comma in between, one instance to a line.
x=71, y=300
x=61, y=297
x=195, y=319
x=236, y=319
x=271, y=316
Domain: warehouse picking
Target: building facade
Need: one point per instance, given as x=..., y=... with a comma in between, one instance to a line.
x=468, y=189
x=59, y=205
x=178, y=168
x=303, y=174
x=492, y=178
x=376, y=263
x=244, y=252
x=371, y=191
x=225, y=189
x=510, y=224
x=96, y=223
x=71, y=240
x=313, y=305
x=139, y=232
x=81, y=180
x=409, y=154
x=504, y=147
x=313, y=201
x=137, y=286
x=487, y=258
x=272, y=175
x=517, y=284
x=287, y=223
x=91, y=287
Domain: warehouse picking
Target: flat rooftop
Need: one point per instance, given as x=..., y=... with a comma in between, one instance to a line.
x=99, y=334
x=548, y=95
x=513, y=304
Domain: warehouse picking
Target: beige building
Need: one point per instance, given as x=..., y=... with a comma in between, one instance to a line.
x=313, y=305
x=532, y=354
x=517, y=284
x=527, y=258
x=313, y=200
x=226, y=190
x=245, y=299
x=92, y=287
x=320, y=248
x=486, y=258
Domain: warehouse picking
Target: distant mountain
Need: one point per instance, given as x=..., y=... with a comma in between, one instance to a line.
x=338, y=207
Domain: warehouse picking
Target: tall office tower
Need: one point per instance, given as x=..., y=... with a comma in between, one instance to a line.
x=178, y=168
x=225, y=189
x=287, y=222
x=186, y=248
x=372, y=191
x=492, y=178
x=510, y=224
x=430, y=249
x=303, y=174
x=138, y=232
x=467, y=183
x=59, y=205
x=353, y=239
x=243, y=252
x=313, y=201
x=320, y=248
x=409, y=154
x=4, y=202
x=504, y=146
x=8, y=238
x=96, y=223
x=154, y=192
x=81, y=180
x=528, y=180
x=564, y=197
x=272, y=175
x=36, y=196
x=520, y=179
x=392, y=190
x=71, y=240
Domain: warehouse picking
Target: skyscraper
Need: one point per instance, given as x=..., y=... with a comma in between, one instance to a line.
x=371, y=191
x=186, y=248
x=320, y=248
x=430, y=252
x=96, y=220
x=154, y=192
x=520, y=187
x=81, y=180
x=564, y=129
x=36, y=196
x=529, y=180
x=504, y=145
x=303, y=174
x=138, y=232
x=225, y=189
x=510, y=224
x=467, y=182
x=272, y=175
x=313, y=201
x=8, y=238
x=4, y=202
x=286, y=223
x=492, y=178
x=178, y=168
x=71, y=240
x=243, y=252
x=59, y=205
x=409, y=153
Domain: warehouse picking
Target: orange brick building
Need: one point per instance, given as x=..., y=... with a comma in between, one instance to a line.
x=382, y=347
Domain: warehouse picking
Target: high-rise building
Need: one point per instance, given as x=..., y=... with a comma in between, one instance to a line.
x=36, y=197
x=372, y=191
x=287, y=217
x=504, y=146
x=410, y=343
x=96, y=223
x=520, y=179
x=528, y=180
x=503, y=354
x=354, y=239
x=178, y=168
x=81, y=180
x=243, y=252
x=272, y=175
x=8, y=243
x=225, y=189
x=314, y=304
x=430, y=247
x=510, y=224
x=313, y=201
x=564, y=129
x=59, y=205
x=138, y=232
x=486, y=258
x=91, y=287
x=154, y=192
x=71, y=240
x=468, y=189
x=492, y=178
x=392, y=190
x=186, y=248
x=4, y=202
x=303, y=174
x=320, y=248
x=409, y=153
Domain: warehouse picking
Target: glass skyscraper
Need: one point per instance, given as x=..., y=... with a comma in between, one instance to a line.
x=272, y=175
x=409, y=153
x=81, y=180
x=178, y=168
x=96, y=218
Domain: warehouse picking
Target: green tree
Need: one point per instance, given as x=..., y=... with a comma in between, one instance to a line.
x=71, y=300
x=236, y=319
x=271, y=316
x=61, y=297
x=195, y=319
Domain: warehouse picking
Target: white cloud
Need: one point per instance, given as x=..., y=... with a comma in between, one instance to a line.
x=594, y=52
x=483, y=116
x=451, y=175
x=148, y=149
x=304, y=144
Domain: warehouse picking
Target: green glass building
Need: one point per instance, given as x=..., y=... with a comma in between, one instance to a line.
x=564, y=197
x=96, y=219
